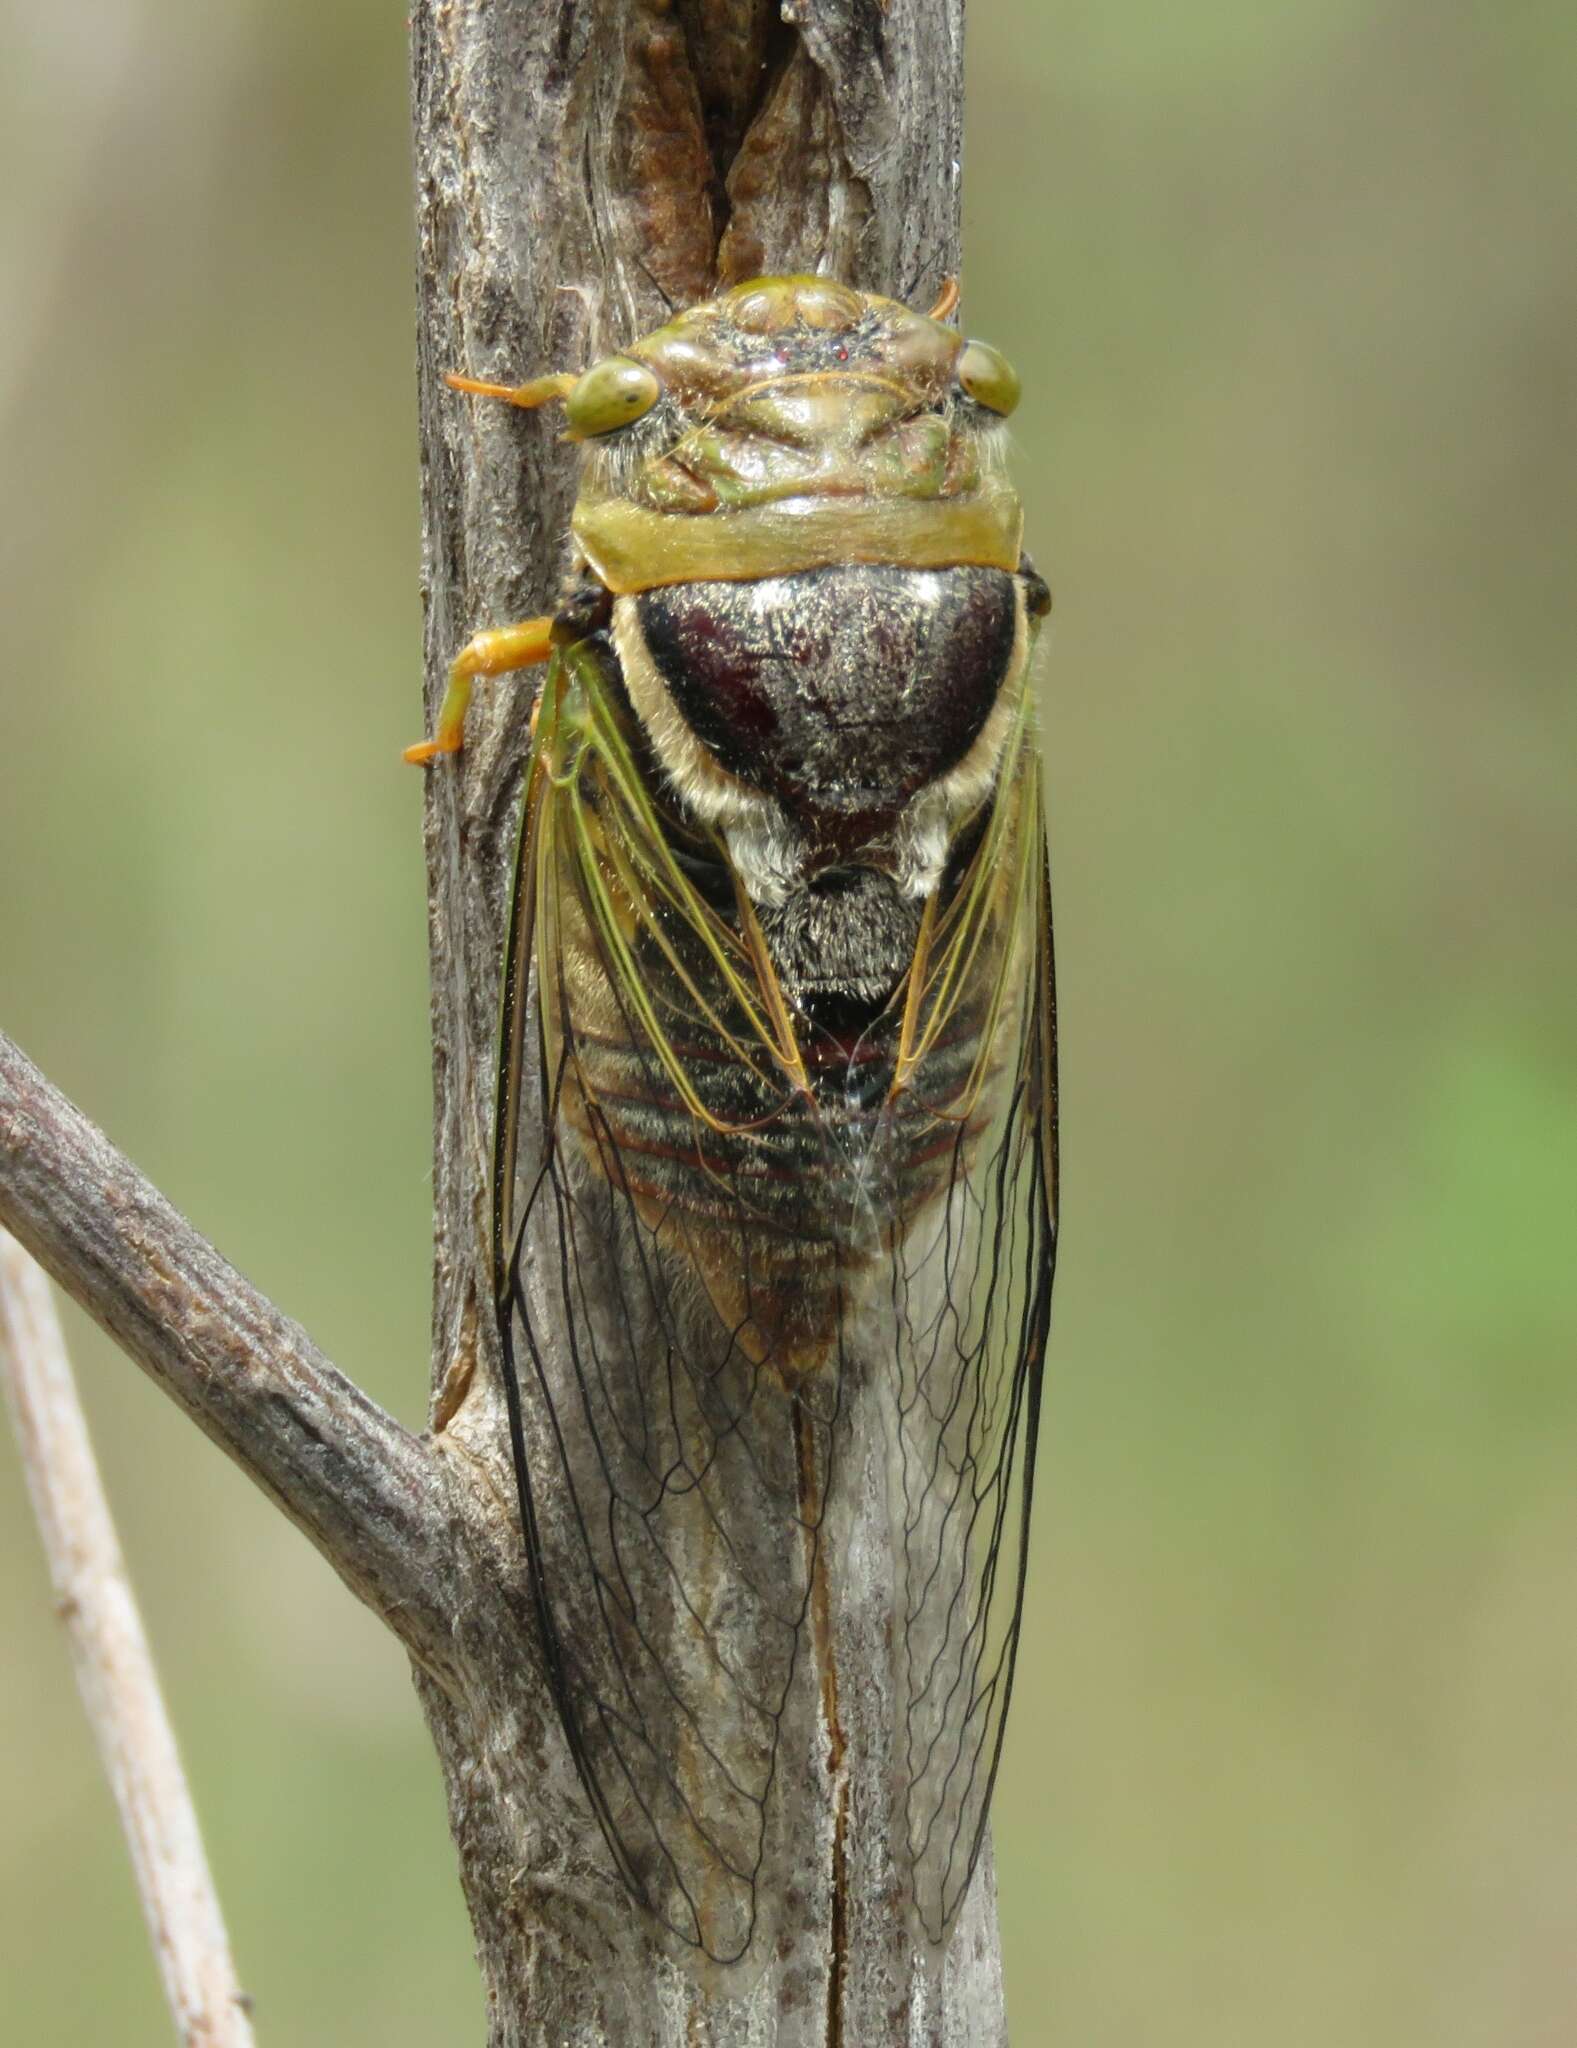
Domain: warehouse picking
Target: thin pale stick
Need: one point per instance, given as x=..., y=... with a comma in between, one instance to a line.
x=115, y=1673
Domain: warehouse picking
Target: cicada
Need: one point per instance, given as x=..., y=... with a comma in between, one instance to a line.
x=775, y=1171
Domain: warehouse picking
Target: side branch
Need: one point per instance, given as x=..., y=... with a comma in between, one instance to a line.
x=364, y=1489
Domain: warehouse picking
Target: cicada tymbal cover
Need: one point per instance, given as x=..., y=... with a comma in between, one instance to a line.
x=775, y=1188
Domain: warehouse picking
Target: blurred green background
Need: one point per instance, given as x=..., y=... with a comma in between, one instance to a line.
x=1293, y=289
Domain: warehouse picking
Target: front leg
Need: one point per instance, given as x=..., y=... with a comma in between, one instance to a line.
x=496, y=653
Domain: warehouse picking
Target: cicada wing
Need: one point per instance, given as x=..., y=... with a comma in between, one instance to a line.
x=671, y=1455
x=694, y=1258
x=972, y=1286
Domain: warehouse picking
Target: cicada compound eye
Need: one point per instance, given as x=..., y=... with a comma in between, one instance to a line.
x=988, y=377
x=611, y=394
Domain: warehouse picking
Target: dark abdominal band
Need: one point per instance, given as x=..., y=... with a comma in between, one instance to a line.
x=782, y=1210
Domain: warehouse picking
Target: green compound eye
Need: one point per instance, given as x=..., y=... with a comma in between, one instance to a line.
x=988, y=378
x=611, y=394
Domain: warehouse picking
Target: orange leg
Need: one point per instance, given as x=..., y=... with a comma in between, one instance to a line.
x=490, y=654
x=947, y=302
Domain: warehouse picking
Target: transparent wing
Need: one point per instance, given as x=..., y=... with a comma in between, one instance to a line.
x=701, y=1245
x=972, y=1279
x=675, y=1426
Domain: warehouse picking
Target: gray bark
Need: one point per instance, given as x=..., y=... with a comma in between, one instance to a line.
x=362, y=1488
x=581, y=166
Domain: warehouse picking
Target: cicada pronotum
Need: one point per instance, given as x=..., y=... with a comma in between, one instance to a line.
x=781, y=941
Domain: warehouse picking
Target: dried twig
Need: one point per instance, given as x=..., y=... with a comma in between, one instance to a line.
x=115, y=1673
x=360, y=1485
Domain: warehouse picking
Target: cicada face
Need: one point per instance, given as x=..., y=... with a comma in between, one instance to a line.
x=788, y=1189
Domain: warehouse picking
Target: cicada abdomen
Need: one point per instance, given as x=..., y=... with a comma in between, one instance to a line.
x=784, y=1188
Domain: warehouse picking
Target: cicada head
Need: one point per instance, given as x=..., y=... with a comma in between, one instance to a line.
x=790, y=424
